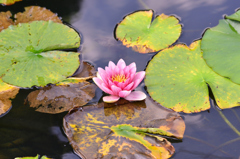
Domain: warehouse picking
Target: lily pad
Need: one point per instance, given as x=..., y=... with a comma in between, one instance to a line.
x=220, y=46
x=134, y=134
x=7, y=92
x=29, y=53
x=178, y=78
x=35, y=13
x=5, y=20
x=137, y=30
x=37, y=157
x=8, y=2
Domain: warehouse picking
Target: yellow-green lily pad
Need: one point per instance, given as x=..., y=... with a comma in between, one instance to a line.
x=30, y=57
x=178, y=78
x=95, y=132
x=144, y=35
x=7, y=92
x=8, y=2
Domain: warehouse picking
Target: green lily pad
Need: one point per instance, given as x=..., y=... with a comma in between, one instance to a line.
x=96, y=132
x=8, y=2
x=220, y=46
x=177, y=78
x=7, y=92
x=235, y=16
x=29, y=53
x=137, y=30
x=37, y=157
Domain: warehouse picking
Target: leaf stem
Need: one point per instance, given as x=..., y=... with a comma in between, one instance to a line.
x=143, y=4
x=228, y=122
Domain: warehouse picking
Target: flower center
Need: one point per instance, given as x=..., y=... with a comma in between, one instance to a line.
x=119, y=78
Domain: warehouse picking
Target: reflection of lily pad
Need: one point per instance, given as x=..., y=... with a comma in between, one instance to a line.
x=65, y=96
x=95, y=135
x=221, y=47
x=6, y=92
x=137, y=30
x=33, y=13
x=26, y=57
x=8, y=2
x=5, y=20
x=177, y=78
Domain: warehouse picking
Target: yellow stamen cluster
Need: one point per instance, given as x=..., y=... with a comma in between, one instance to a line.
x=119, y=78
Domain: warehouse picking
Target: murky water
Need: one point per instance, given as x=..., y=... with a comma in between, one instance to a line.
x=25, y=132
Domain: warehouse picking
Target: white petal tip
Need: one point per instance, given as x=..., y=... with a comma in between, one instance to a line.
x=110, y=99
x=136, y=96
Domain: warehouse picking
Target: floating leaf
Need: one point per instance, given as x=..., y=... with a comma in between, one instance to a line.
x=96, y=131
x=37, y=157
x=8, y=2
x=5, y=20
x=177, y=78
x=137, y=30
x=220, y=46
x=67, y=94
x=26, y=57
x=34, y=13
x=6, y=92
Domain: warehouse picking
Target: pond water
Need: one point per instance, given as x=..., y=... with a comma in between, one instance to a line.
x=25, y=132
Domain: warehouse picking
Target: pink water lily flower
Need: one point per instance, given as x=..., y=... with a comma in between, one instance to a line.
x=119, y=81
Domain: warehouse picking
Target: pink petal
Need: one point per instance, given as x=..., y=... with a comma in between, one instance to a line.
x=138, y=78
x=103, y=74
x=132, y=65
x=105, y=88
x=111, y=65
x=108, y=71
x=136, y=96
x=115, y=90
x=123, y=94
x=110, y=99
x=98, y=76
x=128, y=87
x=98, y=82
x=121, y=64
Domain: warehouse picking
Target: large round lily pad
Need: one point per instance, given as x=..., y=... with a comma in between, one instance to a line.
x=137, y=30
x=110, y=131
x=177, y=78
x=29, y=53
x=221, y=49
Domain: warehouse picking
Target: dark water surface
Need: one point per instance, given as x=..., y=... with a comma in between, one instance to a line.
x=24, y=132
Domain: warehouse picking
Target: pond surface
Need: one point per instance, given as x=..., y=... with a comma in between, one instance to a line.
x=25, y=132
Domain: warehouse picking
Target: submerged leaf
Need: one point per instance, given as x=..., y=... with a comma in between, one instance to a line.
x=135, y=134
x=7, y=92
x=137, y=30
x=26, y=57
x=37, y=157
x=220, y=46
x=8, y=2
x=177, y=78
x=5, y=20
x=34, y=13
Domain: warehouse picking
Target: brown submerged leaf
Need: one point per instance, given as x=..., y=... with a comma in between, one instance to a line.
x=5, y=20
x=34, y=13
x=101, y=131
x=7, y=92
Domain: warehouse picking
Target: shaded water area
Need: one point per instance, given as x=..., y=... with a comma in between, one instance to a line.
x=25, y=132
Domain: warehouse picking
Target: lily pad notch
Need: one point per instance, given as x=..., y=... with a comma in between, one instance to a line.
x=30, y=57
x=144, y=34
